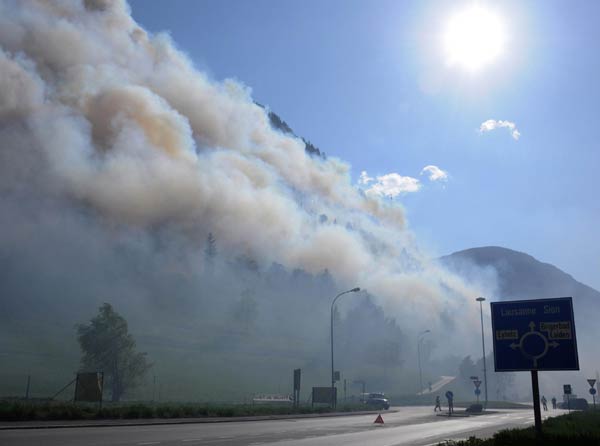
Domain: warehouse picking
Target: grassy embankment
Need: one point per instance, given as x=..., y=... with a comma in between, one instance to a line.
x=23, y=411
x=574, y=429
x=428, y=400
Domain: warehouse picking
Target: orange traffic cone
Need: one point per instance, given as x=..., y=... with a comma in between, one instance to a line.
x=378, y=420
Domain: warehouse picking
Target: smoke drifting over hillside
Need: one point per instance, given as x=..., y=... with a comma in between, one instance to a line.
x=110, y=137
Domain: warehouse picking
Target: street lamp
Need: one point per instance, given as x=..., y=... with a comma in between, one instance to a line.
x=419, y=339
x=353, y=290
x=480, y=300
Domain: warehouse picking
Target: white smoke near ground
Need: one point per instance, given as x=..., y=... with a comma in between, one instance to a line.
x=97, y=114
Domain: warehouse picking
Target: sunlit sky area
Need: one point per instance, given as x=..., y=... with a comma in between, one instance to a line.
x=492, y=143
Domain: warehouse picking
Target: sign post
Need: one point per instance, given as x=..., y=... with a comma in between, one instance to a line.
x=567, y=392
x=477, y=383
x=89, y=387
x=323, y=395
x=592, y=383
x=534, y=335
x=363, y=385
x=297, y=376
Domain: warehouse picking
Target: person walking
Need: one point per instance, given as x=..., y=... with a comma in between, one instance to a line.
x=437, y=404
x=553, y=403
x=450, y=398
x=545, y=403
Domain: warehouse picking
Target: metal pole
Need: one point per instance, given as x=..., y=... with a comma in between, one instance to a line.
x=480, y=300
x=154, y=388
x=332, y=373
x=419, y=339
x=537, y=414
x=333, y=398
x=419, y=361
x=27, y=389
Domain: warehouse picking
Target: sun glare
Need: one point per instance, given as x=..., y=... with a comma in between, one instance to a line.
x=474, y=38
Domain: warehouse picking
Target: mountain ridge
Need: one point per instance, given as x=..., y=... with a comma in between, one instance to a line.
x=522, y=276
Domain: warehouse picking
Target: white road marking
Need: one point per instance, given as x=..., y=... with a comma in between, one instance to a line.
x=149, y=442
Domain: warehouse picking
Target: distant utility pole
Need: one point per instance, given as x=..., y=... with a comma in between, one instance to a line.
x=480, y=300
x=419, y=339
x=333, y=396
x=27, y=389
x=154, y=388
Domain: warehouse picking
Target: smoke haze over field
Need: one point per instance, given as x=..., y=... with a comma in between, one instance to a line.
x=118, y=158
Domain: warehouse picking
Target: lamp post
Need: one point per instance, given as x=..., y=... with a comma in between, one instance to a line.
x=480, y=300
x=353, y=290
x=419, y=339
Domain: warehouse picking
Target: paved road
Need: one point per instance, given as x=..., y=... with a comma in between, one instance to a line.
x=436, y=386
x=408, y=426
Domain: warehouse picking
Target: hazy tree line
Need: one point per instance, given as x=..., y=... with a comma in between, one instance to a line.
x=206, y=318
x=215, y=325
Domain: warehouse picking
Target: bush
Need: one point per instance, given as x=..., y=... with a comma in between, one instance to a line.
x=575, y=429
x=475, y=408
x=53, y=410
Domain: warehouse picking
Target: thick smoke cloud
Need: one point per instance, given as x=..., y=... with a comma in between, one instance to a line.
x=110, y=136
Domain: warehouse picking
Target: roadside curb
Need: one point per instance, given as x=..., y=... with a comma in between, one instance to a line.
x=454, y=415
x=162, y=422
x=465, y=414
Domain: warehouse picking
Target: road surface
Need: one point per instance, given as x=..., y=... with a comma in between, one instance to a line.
x=416, y=426
x=436, y=386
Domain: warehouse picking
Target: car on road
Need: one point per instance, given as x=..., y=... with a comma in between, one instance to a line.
x=378, y=401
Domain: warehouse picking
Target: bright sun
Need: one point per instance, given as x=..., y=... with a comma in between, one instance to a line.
x=474, y=38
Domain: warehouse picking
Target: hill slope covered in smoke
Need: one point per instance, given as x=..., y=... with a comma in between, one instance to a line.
x=118, y=158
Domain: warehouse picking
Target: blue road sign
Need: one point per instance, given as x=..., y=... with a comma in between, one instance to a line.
x=592, y=391
x=477, y=392
x=534, y=335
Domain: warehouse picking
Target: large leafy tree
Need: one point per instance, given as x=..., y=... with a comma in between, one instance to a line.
x=107, y=346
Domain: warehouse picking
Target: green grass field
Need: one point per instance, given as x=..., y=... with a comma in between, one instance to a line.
x=574, y=429
x=52, y=410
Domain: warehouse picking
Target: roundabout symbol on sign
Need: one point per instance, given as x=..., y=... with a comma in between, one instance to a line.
x=533, y=344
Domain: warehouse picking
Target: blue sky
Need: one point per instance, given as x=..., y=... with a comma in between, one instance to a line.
x=368, y=82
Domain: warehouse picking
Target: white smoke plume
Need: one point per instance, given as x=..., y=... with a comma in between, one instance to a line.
x=97, y=113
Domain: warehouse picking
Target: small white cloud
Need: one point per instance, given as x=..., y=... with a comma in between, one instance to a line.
x=392, y=185
x=492, y=124
x=435, y=173
x=364, y=178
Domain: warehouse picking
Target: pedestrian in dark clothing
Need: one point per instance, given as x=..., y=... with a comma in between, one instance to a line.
x=544, y=402
x=450, y=398
x=437, y=404
x=553, y=403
